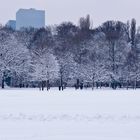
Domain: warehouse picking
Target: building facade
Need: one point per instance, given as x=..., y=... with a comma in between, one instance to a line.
x=26, y=18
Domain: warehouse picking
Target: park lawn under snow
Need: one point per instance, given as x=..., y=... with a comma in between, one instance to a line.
x=69, y=115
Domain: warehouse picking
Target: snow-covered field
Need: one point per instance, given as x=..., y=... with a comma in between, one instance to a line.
x=69, y=115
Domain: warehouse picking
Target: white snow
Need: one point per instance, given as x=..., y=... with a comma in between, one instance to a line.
x=69, y=115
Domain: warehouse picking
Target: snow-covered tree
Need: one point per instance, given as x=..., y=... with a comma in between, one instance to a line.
x=45, y=66
x=13, y=55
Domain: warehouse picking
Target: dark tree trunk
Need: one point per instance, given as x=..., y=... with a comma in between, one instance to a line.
x=48, y=85
x=3, y=83
x=93, y=84
x=78, y=83
x=61, y=80
x=43, y=85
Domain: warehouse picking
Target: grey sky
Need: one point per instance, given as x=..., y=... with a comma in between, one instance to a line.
x=70, y=10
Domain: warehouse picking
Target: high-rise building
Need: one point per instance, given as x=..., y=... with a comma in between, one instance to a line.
x=26, y=18
x=11, y=24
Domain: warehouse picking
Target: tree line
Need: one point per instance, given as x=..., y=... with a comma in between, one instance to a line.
x=71, y=55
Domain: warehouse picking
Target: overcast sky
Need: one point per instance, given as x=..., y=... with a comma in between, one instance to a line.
x=58, y=11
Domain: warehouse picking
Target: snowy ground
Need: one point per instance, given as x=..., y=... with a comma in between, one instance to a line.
x=69, y=115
